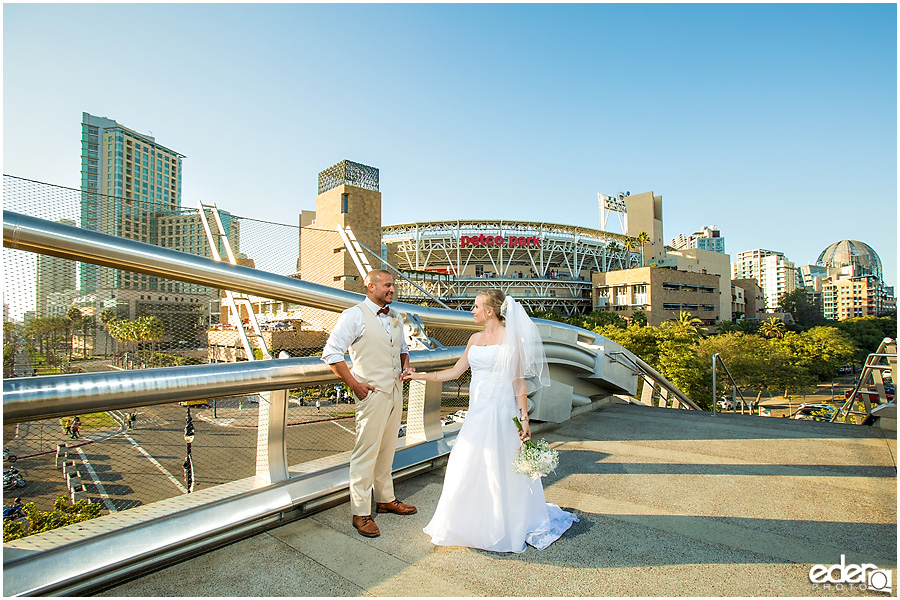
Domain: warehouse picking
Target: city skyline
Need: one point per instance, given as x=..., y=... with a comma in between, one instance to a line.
x=778, y=137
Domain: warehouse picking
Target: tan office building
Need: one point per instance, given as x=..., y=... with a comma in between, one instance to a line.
x=660, y=293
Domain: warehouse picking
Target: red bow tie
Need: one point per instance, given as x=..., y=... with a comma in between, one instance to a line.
x=383, y=311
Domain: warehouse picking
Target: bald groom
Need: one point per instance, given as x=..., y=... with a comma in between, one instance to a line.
x=373, y=335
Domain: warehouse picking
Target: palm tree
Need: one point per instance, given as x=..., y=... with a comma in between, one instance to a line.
x=643, y=238
x=726, y=327
x=151, y=329
x=629, y=244
x=686, y=324
x=88, y=324
x=74, y=321
x=613, y=248
x=106, y=316
x=773, y=327
x=747, y=326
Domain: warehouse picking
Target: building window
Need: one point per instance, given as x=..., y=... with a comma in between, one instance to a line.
x=345, y=204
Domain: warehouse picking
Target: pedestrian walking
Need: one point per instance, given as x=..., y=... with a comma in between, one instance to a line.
x=318, y=405
x=75, y=427
x=133, y=419
x=68, y=425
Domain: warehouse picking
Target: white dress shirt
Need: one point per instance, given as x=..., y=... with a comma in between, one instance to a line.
x=351, y=326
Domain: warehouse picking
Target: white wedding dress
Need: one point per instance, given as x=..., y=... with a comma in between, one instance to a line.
x=485, y=503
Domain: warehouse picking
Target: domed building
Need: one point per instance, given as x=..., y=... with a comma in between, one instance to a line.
x=854, y=286
x=851, y=252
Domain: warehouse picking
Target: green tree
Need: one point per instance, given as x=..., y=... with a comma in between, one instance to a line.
x=107, y=315
x=803, y=311
x=40, y=521
x=600, y=318
x=549, y=315
x=867, y=333
x=88, y=326
x=73, y=316
x=819, y=351
x=757, y=364
x=773, y=327
x=746, y=326
x=149, y=328
x=629, y=245
x=613, y=248
x=639, y=318
x=643, y=238
x=685, y=324
x=725, y=327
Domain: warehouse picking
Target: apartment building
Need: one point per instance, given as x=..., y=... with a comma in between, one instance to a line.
x=775, y=274
x=708, y=238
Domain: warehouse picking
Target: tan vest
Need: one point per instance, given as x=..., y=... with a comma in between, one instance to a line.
x=376, y=357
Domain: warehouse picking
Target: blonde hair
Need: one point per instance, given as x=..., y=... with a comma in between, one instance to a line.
x=493, y=299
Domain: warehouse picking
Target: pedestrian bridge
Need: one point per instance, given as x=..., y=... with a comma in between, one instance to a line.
x=670, y=503
x=658, y=491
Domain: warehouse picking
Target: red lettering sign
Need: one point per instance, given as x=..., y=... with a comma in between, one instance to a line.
x=498, y=240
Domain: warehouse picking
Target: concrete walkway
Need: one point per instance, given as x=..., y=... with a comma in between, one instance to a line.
x=671, y=503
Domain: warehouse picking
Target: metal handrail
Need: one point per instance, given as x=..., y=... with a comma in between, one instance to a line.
x=646, y=370
x=733, y=383
x=33, y=398
x=60, y=564
x=869, y=368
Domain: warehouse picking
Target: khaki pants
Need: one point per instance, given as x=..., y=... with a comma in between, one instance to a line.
x=372, y=459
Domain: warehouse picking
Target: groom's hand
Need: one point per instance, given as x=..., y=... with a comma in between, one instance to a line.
x=361, y=390
x=406, y=373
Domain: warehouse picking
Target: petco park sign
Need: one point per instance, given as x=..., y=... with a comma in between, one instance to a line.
x=512, y=241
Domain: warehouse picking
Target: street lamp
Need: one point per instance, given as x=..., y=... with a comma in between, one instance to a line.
x=189, y=461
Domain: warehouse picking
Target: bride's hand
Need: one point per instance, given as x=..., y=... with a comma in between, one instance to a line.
x=525, y=434
x=414, y=375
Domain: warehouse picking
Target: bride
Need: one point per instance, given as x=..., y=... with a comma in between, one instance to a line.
x=485, y=503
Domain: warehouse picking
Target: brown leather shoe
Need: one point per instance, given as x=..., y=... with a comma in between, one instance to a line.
x=366, y=526
x=396, y=507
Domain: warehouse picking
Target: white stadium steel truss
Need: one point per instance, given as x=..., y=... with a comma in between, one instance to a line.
x=544, y=265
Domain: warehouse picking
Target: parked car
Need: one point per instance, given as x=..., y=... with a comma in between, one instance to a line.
x=814, y=412
x=460, y=416
x=402, y=432
x=888, y=393
x=446, y=420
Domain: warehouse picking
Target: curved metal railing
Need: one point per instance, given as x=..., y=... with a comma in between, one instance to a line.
x=57, y=562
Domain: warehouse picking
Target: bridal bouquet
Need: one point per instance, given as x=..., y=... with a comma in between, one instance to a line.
x=535, y=459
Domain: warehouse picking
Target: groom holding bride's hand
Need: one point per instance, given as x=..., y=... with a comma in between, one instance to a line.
x=373, y=335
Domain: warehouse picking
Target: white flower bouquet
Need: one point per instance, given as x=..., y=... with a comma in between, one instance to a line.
x=535, y=459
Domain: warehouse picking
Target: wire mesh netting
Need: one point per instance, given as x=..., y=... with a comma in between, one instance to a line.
x=64, y=317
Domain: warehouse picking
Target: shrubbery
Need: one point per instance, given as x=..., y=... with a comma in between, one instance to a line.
x=39, y=521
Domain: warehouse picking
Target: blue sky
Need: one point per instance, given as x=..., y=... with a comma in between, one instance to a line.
x=777, y=123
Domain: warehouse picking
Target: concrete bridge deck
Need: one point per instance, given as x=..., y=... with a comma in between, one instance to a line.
x=671, y=503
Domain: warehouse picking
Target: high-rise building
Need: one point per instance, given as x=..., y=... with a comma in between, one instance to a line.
x=127, y=178
x=708, y=238
x=774, y=273
x=131, y=188
x=848, y=294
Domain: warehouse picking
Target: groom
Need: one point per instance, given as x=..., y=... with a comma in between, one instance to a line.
x=374, y=337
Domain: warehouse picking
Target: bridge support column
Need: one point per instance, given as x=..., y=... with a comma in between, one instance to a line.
x=647, y=393
x=271, y=451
